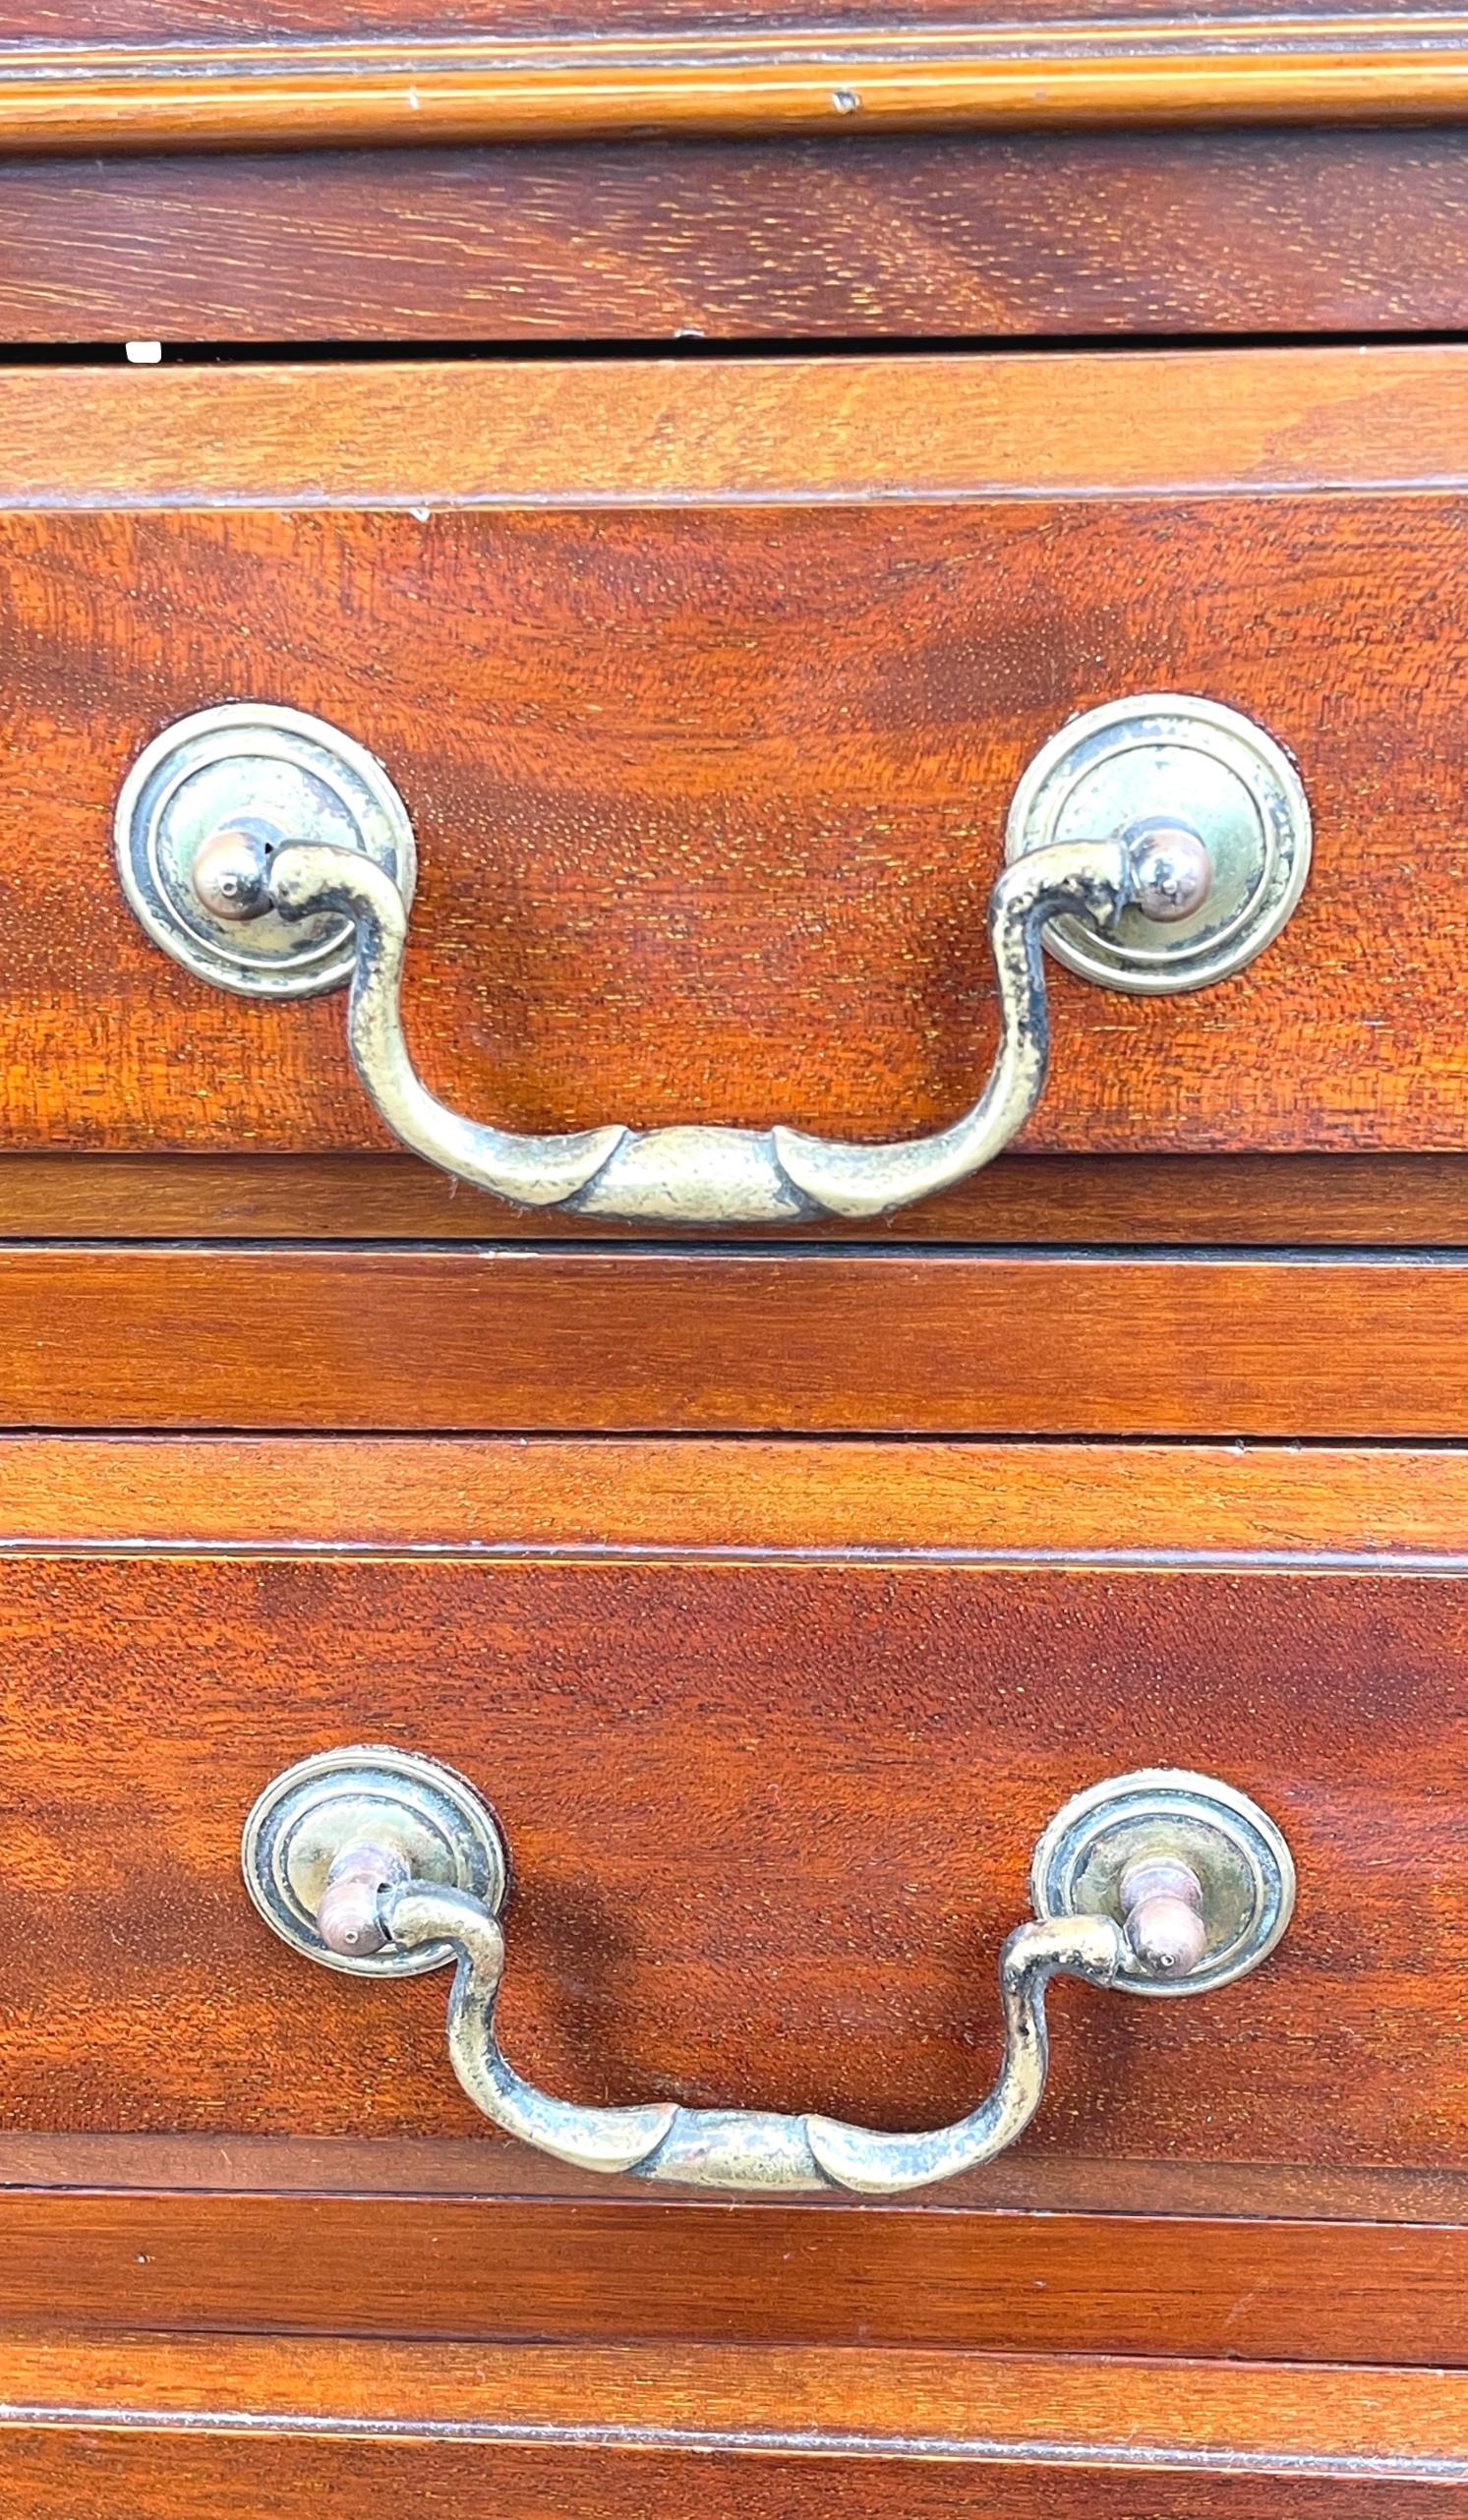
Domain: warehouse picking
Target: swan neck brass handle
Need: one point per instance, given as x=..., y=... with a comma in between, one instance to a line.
x=381, y=1864
x=1163, y=843
x=698, y=1174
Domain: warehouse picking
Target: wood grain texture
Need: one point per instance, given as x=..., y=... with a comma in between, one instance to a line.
x=659, y=2267
x=1116, y=232
x=712, y=433
x=975, y=1499
x=77, y=2470
x=709, y=797
x=1402, y=1203
x=982, y=2409
x=1298, y=1202
x=769, y=1822
x=559, y=1340
x=130, y=2173
x=410, y=88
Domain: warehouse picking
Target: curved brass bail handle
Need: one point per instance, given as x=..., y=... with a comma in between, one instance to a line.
x=1159, y=1882
x=702, y=1175
x=748, y=2147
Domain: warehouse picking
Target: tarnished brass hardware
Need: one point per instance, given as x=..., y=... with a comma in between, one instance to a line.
x=202, y=813
x=348, y=1821
x=1162, y=760
x=239, y=831
x=1160, y=1882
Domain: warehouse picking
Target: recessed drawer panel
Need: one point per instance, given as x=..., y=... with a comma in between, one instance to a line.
x=707, y=691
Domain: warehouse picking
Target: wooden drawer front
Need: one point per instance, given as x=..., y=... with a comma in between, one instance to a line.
x=771, y=1822
x=708, y=687
x=770, y=1732
x=770, y=1728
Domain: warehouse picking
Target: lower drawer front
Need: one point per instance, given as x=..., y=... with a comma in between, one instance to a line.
x=770, y=1820
x=771, y=1731
x=771, y=1728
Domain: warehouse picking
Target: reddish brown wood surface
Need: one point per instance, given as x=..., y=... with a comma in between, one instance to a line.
x=398, y=434
x=158, y=22
x=55, y=2469
x=1263, y=1202
x=563, y=1340
x=771, y=1821
x=985, y=1501
x=995, y=2417
x=785, y=71
x=124, y=2175
x=1120, y=232
x=658, y=2267
x=709, y=798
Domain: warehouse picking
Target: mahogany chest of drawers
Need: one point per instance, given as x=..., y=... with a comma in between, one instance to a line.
x=734, y=949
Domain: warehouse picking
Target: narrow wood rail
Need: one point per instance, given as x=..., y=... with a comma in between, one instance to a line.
x=345, y=92
x=820, y=1342
x=303, y=1494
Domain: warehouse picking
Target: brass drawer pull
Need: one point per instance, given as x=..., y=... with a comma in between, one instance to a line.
x=1155, y=844
x=383, y=1864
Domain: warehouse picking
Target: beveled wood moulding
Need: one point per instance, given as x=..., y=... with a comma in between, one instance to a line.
x=372, y=86
x=399, y=434
x=348, y=2430
x=530, y=1498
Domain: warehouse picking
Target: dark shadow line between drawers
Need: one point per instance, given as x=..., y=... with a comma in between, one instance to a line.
x=731, y=1251
x=691, y=348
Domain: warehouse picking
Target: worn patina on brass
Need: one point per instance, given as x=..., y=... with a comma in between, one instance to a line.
x=1132, y=883
x=1190, y=1884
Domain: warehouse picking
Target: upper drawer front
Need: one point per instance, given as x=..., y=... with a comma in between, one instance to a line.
x=707, y=689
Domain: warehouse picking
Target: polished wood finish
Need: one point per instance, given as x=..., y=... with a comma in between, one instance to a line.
x=1120, y=232
x=707, y=681
x=683, y=1794
x=657, y=2267
x=708, y=838
x=786, y=432
x=73, y=2472
x=406, y=88
x=988, y=1501
x=736, y=1880
x=920, y=2407
x=629, y=1340
x=1400, y=1202
x=244, y=2439
x=136, y=2169
x=163, y=24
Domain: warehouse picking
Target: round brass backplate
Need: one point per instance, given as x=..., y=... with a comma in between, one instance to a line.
x=1166, y=757
x=407, y=1805
x=1241, y=1862
x=282, y=774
